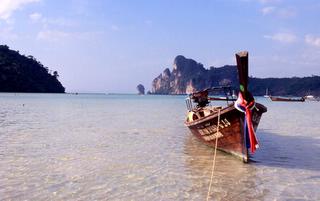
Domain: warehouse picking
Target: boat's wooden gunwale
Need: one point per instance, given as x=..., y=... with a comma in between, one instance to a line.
x=222, y=111
x=210, y=116
x=232, y=141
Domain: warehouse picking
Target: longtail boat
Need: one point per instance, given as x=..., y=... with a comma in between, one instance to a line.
x=311, y=98
x=287, y=99
x=234, y=125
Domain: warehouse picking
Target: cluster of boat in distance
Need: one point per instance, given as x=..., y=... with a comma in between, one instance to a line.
x=291, y=98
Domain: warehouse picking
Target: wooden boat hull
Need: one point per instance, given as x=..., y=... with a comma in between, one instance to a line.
x=231, y=130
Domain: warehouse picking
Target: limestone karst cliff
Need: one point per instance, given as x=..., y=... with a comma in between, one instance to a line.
x=140, y=89
x=188, y=76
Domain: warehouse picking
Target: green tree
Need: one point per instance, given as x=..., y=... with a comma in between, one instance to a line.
x=55, y=74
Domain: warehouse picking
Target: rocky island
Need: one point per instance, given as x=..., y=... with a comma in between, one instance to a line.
x=19, y=73
x=140, y=89
x=188, y=76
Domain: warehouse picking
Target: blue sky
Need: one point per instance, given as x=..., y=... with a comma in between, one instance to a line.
x=111, y=46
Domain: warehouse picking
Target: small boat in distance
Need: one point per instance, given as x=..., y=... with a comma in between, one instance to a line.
x=267, y=93
x=234, y=95
x=287, y=99
x=311, y=98
x=231, y=127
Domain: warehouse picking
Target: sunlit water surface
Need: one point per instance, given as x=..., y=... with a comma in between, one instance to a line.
x=127, y=147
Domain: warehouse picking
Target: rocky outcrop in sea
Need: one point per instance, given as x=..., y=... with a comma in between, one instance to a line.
x=140, y=89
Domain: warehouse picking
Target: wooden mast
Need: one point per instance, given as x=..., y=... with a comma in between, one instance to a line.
x=242, y=65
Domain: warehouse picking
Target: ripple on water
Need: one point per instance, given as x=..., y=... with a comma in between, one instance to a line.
x=137, y=148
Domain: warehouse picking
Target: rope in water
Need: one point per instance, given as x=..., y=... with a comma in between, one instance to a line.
x=214, y=156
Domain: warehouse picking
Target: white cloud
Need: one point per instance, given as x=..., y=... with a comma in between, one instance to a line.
x=312, y=40
x=286, y=13
x=80, y=7
x=310, y=56
x=7, y=34
x=115, y=28
x=7, y=7
x=148, y=22
x=35, y=16
x=269, y=1
x=282, y=37
x=63, y=36
x=267, y=10
x=279, y=12
x=52, y=35
x=58, y=21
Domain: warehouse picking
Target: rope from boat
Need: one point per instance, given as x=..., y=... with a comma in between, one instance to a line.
x=214, y=156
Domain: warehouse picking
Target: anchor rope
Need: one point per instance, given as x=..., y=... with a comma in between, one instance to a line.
x=214, y=156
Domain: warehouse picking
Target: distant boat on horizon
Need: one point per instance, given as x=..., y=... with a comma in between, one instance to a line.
x=311, y=98
x=234, y=95
x=287, y=99
x=267, y=93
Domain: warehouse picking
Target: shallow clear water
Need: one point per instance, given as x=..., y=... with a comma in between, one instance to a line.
x=127, y=147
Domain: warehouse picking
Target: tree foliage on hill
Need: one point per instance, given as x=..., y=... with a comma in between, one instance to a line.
x=19, y=73
x=295, y=86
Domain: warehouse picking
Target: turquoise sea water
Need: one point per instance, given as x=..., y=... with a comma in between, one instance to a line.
x=128, y=147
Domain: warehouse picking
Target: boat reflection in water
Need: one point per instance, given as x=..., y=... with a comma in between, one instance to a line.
x=232, y=179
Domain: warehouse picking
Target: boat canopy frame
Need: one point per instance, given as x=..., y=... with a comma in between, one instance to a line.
x=202, y=99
